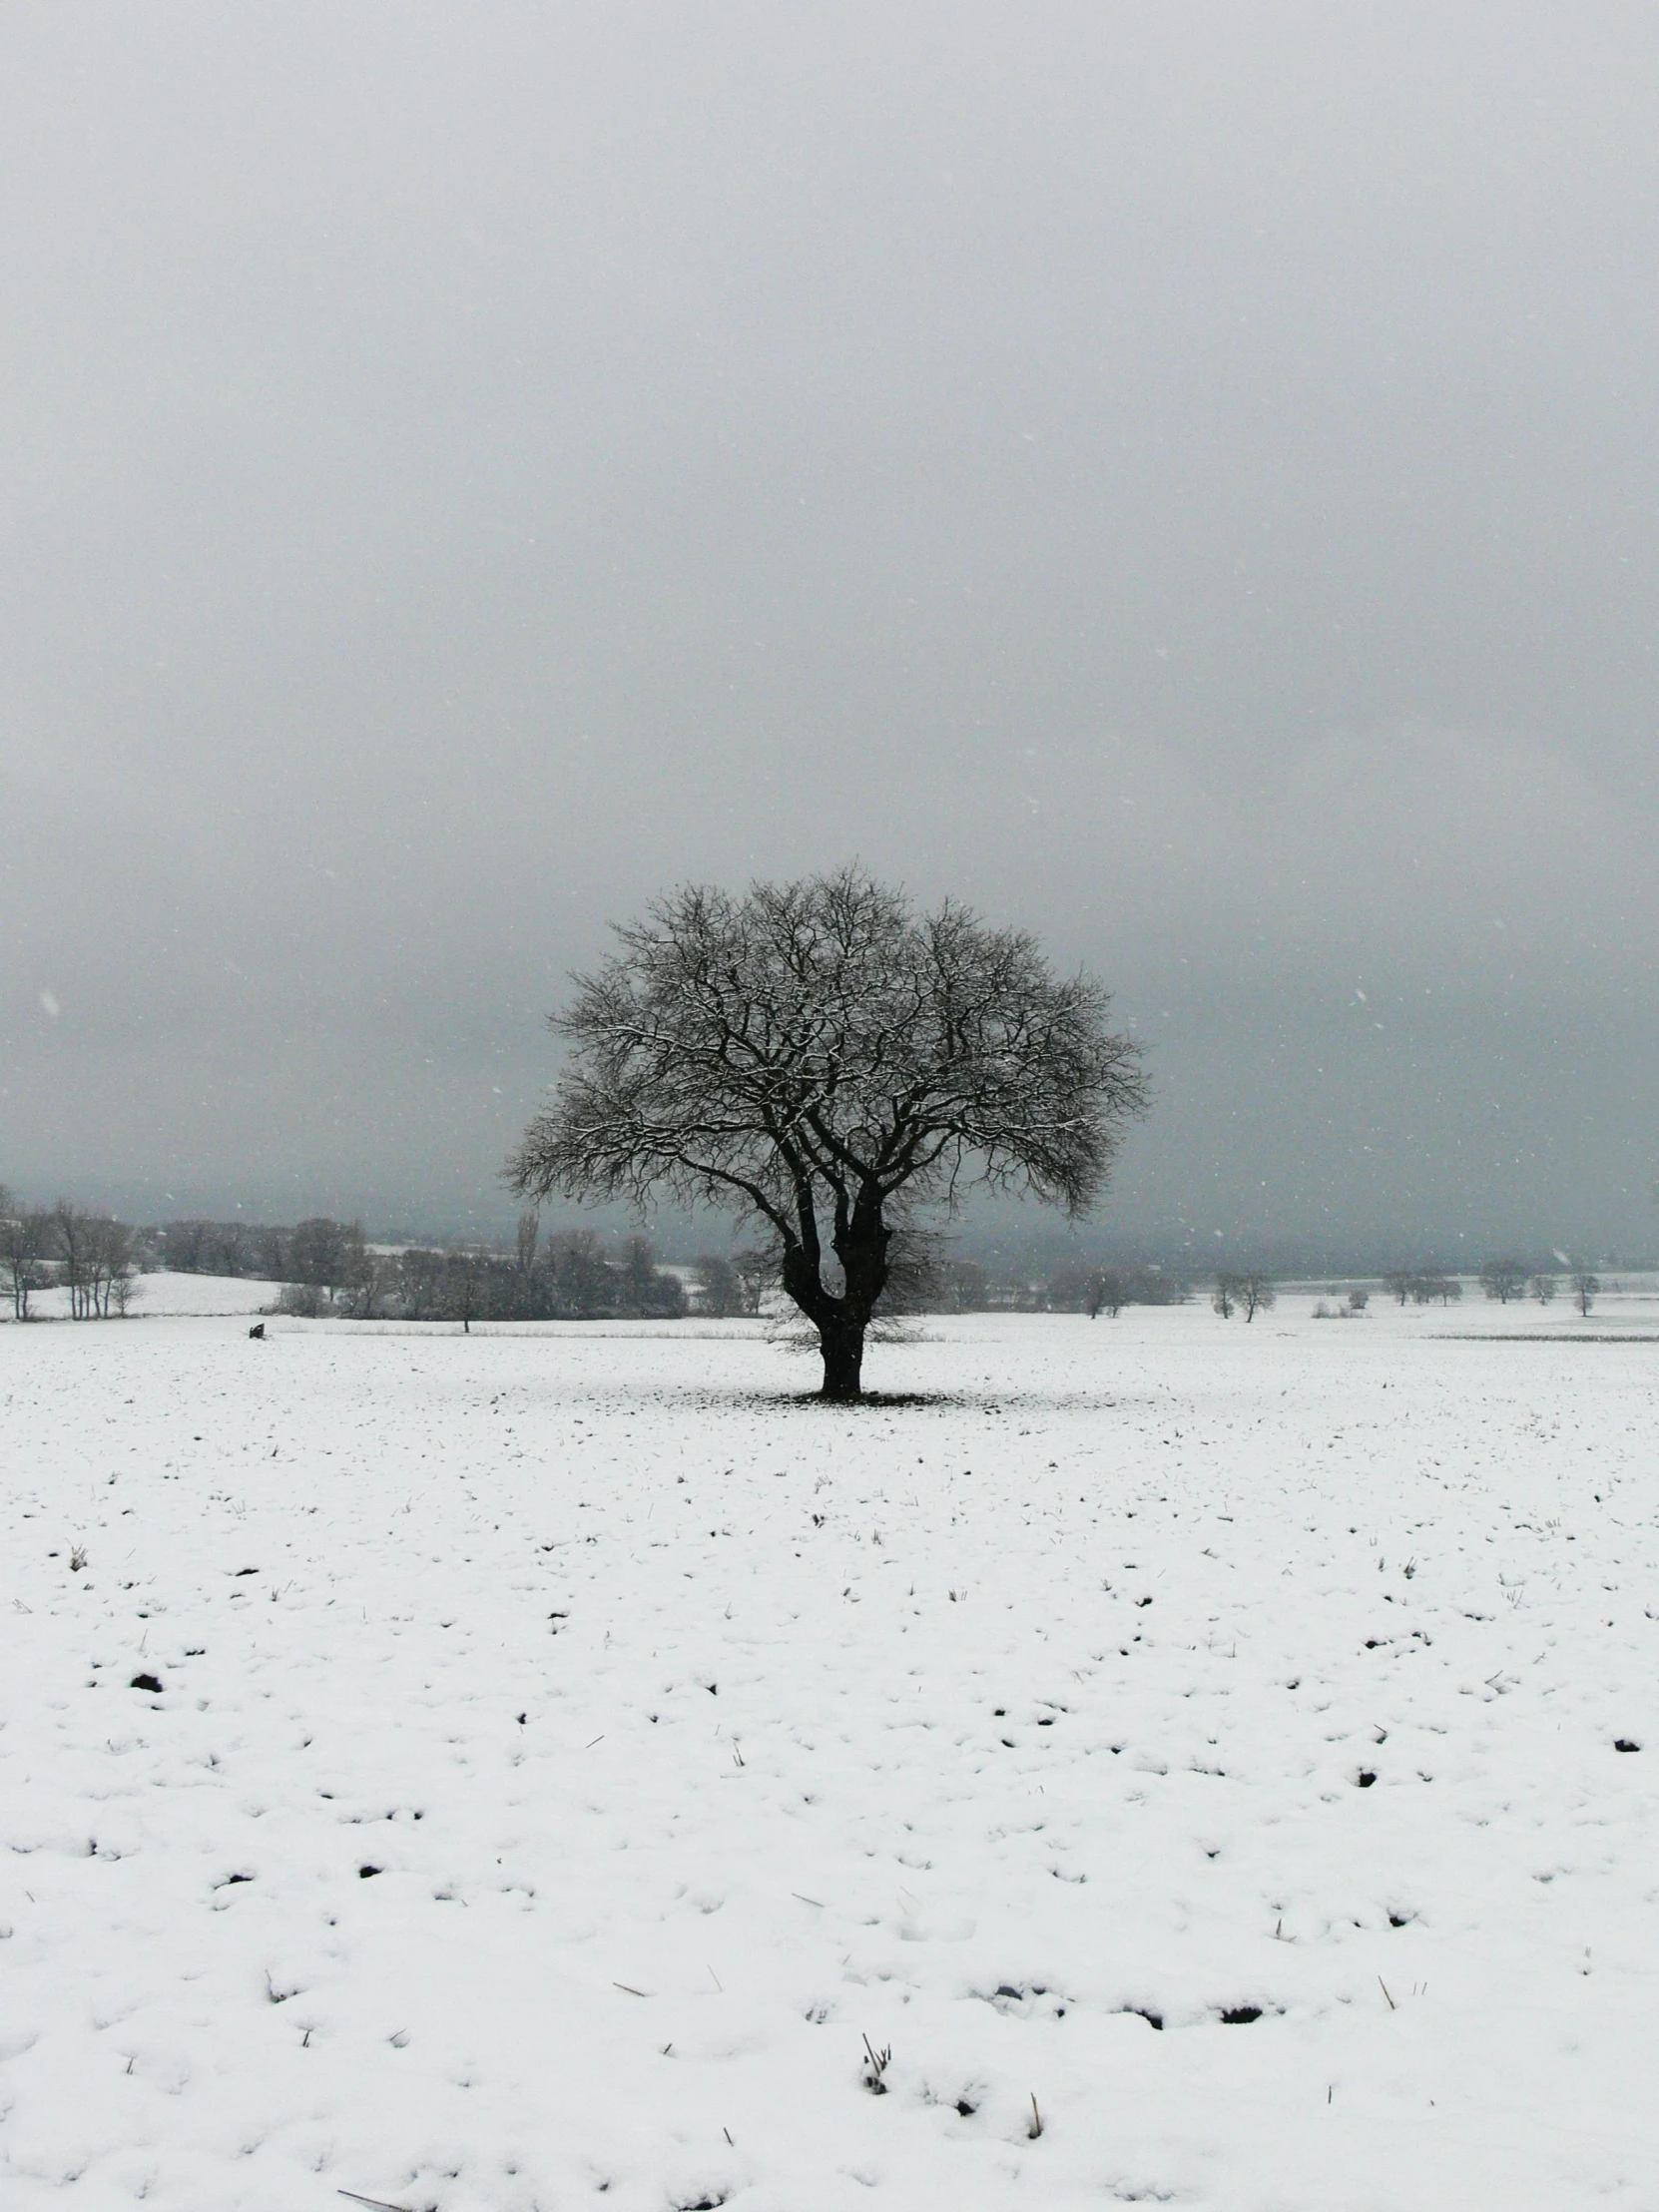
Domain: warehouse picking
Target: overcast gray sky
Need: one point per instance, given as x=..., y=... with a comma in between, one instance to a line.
x=1181, y=477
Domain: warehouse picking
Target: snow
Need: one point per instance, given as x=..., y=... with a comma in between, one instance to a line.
x=176, y=1294
x=697, y=1734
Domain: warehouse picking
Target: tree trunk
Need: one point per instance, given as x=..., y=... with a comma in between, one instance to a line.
x=842, y=1344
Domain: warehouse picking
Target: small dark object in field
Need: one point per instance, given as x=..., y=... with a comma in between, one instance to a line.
x=1152, y=2020
x=1623, y=1743
x=145, y=1682
x=1240, y=2015
x=877, y=2064
x=241, y=1571
x=1399, y=1919
x=363, y=1873
x=522, y=1718
x=1365, y=1780
x=1007, y=1989
x=257, y=1331
x=965, y=2109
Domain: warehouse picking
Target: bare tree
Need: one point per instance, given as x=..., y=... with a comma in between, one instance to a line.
x=818, y=1056
x=719, y=1293
x=465, y=1282
x=329, y=1256
x=1400, y=1284
x=185, y=1243
x=526, y=1236
x=1542, y=1287
x=1255, y=1294
x=109, y=1266
x=1585, y=1288
x=1503, y=1280
x=69, y=1234
x=96, y=1257
x=1250, y=1292
x=25, y=1244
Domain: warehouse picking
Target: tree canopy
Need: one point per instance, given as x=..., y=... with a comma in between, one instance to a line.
x=820, y=1057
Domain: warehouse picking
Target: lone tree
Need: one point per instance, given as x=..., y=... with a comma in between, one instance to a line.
x=823, y=1058
x=1504, y=1279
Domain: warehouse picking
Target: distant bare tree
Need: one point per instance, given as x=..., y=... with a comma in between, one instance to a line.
x=1400, y=1284
x=1542, y=1287
x=1503, y=1280
x=96, y=1255
x=817, y=1056
x=1586, y=1288
x=1255, y=1294
x=719, y=1293
x=1225, y=1296
x=327, y=1254
x=124, y=1290
x=70, y=1233
x=1429, y=1289
x=109, y=1265
x=963, y=1286
x=464, y=1285
x=526, y=1236
x=185, y=1243
x=372, y=1281
x=25, y=1246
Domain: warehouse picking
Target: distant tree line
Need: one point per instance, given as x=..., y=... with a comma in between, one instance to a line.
x=1423, y=1287
x=224, y=1247
x=333, y=1270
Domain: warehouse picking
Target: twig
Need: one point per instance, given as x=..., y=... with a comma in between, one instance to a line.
x=1036, y=2128
x=629, y=1987
x=379, y=2203
x=1383, y=1986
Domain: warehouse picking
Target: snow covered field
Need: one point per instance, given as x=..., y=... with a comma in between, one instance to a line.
x=155, y=1295
x=567, y=1752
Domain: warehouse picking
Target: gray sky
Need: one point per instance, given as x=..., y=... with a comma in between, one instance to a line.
x=1181, y=477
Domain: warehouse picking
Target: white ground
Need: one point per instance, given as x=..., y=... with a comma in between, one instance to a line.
x=156, y=1295
x=698, y=1736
